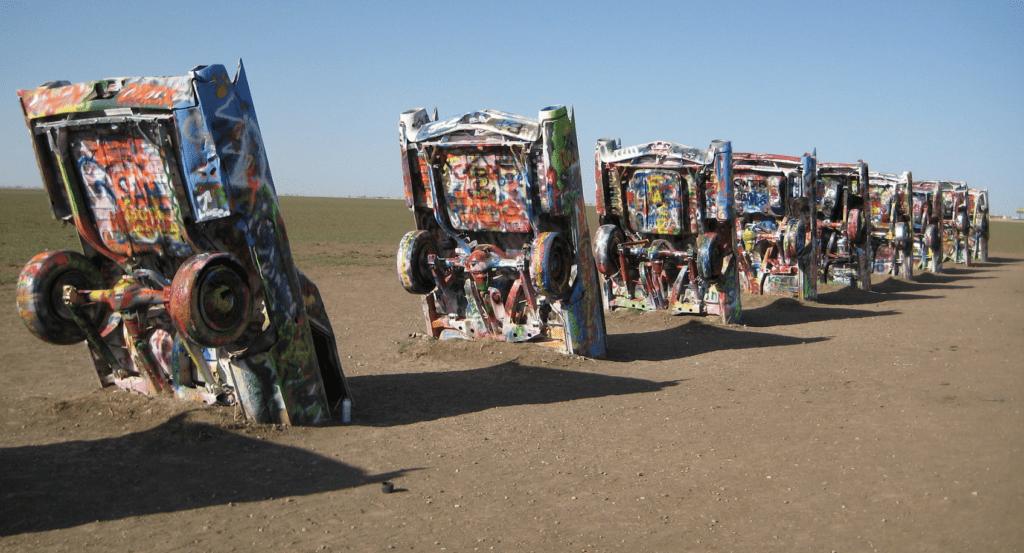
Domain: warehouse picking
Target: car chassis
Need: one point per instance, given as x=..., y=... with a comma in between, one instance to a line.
x=843, y=224
x=667, y=217
x=776, y=232
x=186, y=285
x=892, y=241
x=502, y=248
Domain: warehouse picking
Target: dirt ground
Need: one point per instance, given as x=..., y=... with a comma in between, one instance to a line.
x=883, y=421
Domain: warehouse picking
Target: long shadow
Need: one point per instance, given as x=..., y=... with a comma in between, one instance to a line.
x=692, y=338
x=398, y=399
x=922, y=282
x=893, y=289
x=960, y=270
x=1003, y=260
x=788, y=311
x=177, y=466
x=941, y=278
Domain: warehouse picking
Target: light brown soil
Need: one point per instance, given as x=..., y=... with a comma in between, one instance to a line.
x=882, y=421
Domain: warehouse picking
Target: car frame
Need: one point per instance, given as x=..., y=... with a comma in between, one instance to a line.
x=667, y=238
x=956, y=222
x=977, y=207
x=186, y=284
x=776, y=224
x=927, y=221
x=843, y=225
x=892, y=240
x=501, y=247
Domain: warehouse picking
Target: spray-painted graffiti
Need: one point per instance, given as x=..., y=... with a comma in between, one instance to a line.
x=776, y=239
x=488, y=260
x=927, y=224
x=178, y=307
x=956, y=222
x=485, y=192
x=891, y=223
x=977, y=207
x=843, y=224
x=130, y=194
x=666, y=239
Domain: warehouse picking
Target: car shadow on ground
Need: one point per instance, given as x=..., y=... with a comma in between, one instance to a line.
x=399, y=399
x=1000, y=260
x=177, y=466
x=692, y=338
x=790, y=311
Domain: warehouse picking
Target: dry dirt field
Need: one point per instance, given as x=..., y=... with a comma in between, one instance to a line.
x=883, y=421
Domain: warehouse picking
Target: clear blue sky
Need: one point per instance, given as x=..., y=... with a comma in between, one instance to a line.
x=936, y=88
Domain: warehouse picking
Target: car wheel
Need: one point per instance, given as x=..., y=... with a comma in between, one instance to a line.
x=606, y=248
x=41, y=295
x=856, y=227
x=794, y=241
x=551, y=261
x=413, y=270
x=211, y=301
x=709, y=256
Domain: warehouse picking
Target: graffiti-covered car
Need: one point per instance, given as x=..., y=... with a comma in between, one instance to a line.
x=776, y=235
x=501, y=247
x=956, y=222
x=666, y=239
x=186, y=283
x=977, y=207
x=927, y=218
x=892, y=240
x=843, y=225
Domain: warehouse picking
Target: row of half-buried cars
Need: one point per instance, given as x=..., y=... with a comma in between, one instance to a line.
x=186, y=284
x=502, y=248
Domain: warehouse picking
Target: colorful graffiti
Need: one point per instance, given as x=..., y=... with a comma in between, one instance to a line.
x=666, y=240
x=485, y=193
x=160, y=312
x=978, y=210
x=956, y=222
x=488, y=260
x=927, y=225
x=892, y=242
x=776, y=239
x=130, y=195
x=843, y=224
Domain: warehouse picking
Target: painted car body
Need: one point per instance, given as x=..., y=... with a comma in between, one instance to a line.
x=892, y=241
x=667, y=235
x=956, y=222
x=186, y=285
x=501, y=247
x=776, y=224
x=843, y=226
x=927, y=220
x=977, y=207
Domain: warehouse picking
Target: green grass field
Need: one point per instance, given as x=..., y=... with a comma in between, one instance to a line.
x=318, y=229
x=1006, y=237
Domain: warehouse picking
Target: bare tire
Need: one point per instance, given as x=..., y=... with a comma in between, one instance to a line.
x=795, y=241
x=41, y=294
x=551, y=261
x=413, y=269
x=211, y=301
x=709, y=256
x=856, y=226
x=606, y=248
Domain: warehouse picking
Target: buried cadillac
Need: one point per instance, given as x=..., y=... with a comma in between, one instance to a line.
x=186, y=285
x=776, y=234
x=666, y=239
x=843, y=224
x=927, y=198
x=501, y=247
x=892, y=239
